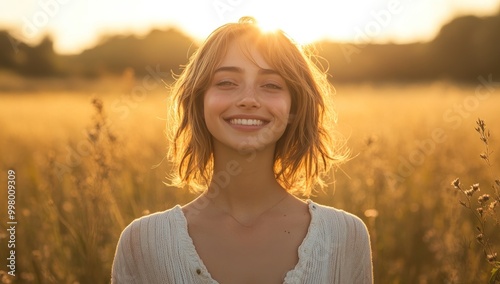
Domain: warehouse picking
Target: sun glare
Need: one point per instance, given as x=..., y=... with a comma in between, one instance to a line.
x=299, y=33
x=302, y=35
x=268, y=26
x=335, y=22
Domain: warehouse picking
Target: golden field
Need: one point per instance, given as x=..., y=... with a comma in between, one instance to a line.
x=83, y=175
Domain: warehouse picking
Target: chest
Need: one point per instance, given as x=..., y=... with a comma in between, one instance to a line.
x=235, y=254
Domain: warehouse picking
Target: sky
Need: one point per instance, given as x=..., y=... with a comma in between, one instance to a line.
x=76, y=25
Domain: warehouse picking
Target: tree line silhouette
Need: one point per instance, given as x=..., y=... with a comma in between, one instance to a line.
x=464, y=49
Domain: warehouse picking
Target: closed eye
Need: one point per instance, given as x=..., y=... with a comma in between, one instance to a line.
x=272, y=86
x=225, y=84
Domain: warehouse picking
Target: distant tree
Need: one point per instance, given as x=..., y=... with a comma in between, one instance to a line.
x=167, y=50
x=464, y=49
x=7, y=51
x=467, y=47
x=38, y=60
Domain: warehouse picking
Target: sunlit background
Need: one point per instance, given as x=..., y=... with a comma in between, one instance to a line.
x=83, y=103
x=76, y=25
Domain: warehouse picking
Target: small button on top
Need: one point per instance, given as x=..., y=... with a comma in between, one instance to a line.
x=198, y=271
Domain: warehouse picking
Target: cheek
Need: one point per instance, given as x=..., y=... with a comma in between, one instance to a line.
x=213, y=107
x=209, y=106
x=213, y=102
x=282, y=109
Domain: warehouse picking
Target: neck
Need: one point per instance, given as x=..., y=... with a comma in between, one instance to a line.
x=244, y=184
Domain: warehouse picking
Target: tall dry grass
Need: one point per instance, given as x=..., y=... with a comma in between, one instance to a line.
x=484, y=211
x=86, y=167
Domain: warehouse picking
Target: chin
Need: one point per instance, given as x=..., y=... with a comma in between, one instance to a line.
x=251, y=148
x=248, y=149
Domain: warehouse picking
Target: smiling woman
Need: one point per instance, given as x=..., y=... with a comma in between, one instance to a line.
x=250, y=128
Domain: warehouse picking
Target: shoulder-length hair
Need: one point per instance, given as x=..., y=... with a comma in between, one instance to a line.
x=308, y=148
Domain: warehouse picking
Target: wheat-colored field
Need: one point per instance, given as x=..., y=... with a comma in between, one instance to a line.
x=83, y=174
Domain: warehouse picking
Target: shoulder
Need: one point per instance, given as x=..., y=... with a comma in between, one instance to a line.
x=144, y=223
x=336, y=221
x=149, y=228
x=334, y=214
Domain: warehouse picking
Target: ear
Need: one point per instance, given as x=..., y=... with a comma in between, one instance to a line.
x=291, y=117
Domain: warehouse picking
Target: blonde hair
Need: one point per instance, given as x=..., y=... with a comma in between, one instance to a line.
x=307, y=149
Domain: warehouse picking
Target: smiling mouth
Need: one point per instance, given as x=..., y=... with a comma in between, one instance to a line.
x=246, y=122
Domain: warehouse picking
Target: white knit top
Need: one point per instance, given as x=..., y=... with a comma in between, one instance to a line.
x=158, y=249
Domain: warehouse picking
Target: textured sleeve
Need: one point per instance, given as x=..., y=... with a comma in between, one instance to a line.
x=362, y=268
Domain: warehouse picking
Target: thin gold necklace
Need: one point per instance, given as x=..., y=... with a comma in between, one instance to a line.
x=255, y=219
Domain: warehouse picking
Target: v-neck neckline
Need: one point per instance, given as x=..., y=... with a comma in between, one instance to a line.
x=304, y=250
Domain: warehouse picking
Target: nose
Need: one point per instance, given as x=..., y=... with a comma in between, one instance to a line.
x=248, y=99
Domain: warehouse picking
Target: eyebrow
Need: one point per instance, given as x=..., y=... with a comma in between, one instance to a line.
x=235, y=69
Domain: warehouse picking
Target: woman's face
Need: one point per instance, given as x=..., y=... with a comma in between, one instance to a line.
x=247, y=104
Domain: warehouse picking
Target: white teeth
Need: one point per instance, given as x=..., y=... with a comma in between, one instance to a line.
x=243, y=121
